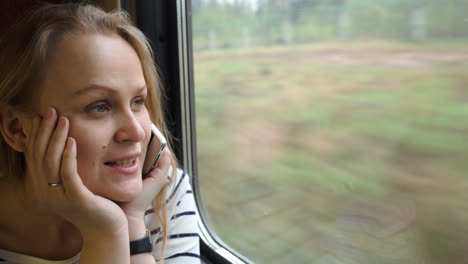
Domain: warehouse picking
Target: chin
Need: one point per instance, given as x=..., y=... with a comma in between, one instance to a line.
x=124, y=193
x=123, y=198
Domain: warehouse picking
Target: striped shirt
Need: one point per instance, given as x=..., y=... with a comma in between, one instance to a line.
x=183, y=237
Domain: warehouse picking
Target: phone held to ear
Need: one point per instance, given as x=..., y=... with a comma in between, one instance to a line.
x=155, y=149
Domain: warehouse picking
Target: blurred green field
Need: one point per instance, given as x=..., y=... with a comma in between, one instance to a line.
x=336, y=153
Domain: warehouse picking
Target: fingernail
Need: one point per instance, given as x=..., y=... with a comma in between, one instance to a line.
x=70, y=142
x=62, y=121
x=49, y=112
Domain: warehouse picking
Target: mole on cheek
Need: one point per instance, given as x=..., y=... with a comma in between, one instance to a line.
x=104, y=147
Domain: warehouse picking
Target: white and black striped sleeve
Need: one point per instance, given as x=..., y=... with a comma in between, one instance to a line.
x=183, y=237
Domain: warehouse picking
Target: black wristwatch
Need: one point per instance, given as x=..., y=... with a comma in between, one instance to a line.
x=142, y=245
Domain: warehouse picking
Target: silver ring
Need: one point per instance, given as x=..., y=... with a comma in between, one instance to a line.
x=54, y=184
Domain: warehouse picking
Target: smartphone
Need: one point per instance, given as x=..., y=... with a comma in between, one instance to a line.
x=155, y=149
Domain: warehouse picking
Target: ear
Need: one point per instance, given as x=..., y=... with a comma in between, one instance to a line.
x=12, y=129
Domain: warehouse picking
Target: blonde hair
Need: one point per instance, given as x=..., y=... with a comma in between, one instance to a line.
x=25, y=48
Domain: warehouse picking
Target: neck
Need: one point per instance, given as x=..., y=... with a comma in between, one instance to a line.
x=32, y=230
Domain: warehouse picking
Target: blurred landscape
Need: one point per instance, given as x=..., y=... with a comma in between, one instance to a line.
x=336, y=142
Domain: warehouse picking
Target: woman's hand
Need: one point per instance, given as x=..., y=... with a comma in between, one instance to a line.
x=152, y=185
x=51, y=158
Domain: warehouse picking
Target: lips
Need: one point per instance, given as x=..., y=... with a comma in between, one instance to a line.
x=124, y=161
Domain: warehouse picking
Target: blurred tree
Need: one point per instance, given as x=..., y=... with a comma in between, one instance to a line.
x=235, y=23
x=197, y=6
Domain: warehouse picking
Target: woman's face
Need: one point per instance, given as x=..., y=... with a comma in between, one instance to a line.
x=97, y=82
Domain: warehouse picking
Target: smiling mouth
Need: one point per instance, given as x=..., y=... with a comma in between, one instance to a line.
x=122, y=163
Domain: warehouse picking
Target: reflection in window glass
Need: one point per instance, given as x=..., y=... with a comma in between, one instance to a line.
x=334, y=131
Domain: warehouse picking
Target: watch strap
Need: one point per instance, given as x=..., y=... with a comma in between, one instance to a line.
x=142, y=245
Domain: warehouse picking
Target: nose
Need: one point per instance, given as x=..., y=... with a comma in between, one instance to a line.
x=129, y=129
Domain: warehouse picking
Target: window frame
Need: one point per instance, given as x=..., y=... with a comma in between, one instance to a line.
x=167, y=25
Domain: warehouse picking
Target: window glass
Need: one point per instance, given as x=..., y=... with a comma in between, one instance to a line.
x=334, y=131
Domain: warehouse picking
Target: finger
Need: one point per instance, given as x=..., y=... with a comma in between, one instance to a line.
x=68, y=171
x=55, y=149
x=163, y=164
x=158, y=177
x=44, y=132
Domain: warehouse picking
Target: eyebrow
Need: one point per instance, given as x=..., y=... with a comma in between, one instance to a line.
x=93, y=87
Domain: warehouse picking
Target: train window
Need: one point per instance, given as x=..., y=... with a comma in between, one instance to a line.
x=333, y=131
x=328, y=131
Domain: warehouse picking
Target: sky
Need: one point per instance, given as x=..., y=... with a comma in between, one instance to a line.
x=252, y=3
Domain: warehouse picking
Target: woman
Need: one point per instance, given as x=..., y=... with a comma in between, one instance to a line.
x=78, y=94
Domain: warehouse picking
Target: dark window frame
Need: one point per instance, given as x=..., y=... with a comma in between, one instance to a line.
x=161, y=21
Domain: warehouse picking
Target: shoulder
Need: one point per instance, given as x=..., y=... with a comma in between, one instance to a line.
x=183, y=243
x=183, y=233
x=180, y=201
x=179, y=186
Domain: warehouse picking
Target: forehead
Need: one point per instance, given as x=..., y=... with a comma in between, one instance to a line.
x=81, y=60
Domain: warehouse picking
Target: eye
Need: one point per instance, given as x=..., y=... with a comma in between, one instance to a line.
x=138, y=103
x=98, y=109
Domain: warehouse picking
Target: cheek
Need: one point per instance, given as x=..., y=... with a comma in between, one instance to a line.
x=90, y=147
x=147, y=137
x=145, y=122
